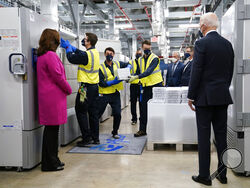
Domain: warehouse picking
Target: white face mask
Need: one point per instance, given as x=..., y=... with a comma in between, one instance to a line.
x=174, y=60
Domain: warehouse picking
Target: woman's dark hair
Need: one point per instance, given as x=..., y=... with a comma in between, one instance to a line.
x=109, y=49
x=49, y=41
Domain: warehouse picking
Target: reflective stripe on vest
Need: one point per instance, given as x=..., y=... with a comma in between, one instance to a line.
x=116, y=64
x=133, y=71
x=145, y=64
x=92, y=65
x=90, y=73
x=155, y=77
x=133, y=67
x=106, y=73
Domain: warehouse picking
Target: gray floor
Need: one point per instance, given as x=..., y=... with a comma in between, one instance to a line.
x=163, y=167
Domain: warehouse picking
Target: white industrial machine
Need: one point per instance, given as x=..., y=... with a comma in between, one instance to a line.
x=71, y=130
x=235, y=26
x=20, y=133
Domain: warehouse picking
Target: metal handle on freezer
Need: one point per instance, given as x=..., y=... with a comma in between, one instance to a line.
x=21, y=69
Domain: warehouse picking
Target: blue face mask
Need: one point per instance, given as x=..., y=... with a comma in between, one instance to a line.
x=147, y=51
x=138, y=56
x=200, y=34
x=186, y=55
x=109, y=57
x=83, y=42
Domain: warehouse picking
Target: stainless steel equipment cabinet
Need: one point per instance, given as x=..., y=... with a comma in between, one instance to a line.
x=235, y=26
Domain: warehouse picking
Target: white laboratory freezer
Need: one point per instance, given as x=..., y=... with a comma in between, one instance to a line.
x=20, y=133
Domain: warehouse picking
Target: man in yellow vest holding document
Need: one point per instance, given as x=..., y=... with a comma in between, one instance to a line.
x=109, y=87
x=150, y=76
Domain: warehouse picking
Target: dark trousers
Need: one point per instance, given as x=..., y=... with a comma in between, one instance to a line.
x=217, y=115
x=50, y=158
x=115, y=102
x=87, y=113
x=134, y=97
x=146, y=96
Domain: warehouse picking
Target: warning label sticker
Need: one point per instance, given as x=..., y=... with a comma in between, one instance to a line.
x=9, y=38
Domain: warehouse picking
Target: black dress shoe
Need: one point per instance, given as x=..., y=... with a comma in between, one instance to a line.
x=62, y=164
x=96, y=142
x=223, y=180
x=205, y=181
x=83, y=143
x=52, y=169
x=140, y=133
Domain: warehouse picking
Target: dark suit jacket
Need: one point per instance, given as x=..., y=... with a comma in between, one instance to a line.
x=212, y=71
x=175, y=79
x=185, y=77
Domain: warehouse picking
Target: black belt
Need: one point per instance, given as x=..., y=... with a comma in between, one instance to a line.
x=87, y=84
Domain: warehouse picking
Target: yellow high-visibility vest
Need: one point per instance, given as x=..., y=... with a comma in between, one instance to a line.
x=90, y=73
x=155, y=77
x=133, y=71
x=108, y=77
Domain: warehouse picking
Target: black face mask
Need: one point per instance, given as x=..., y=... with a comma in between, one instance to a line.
x=137, y=56
x=186, y=55
x=109, y=57
x=200, y=34
x=147, y=51
x=83, y=42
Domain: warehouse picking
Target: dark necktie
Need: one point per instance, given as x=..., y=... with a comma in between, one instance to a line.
x=173, y=68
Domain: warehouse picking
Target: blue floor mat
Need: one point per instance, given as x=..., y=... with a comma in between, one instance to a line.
x=127, y=144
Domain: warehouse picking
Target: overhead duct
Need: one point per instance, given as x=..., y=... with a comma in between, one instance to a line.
x=146, y=2
x=157, y=18
x=49, y=9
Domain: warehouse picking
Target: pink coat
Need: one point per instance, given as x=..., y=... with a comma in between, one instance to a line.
x=52, y=90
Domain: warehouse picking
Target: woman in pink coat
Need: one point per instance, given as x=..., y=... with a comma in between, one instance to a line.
x=52, y=97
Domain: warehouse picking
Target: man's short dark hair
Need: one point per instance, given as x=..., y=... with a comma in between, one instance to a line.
x=92, y=38
x=109, y=49
x=191, y=48
x=147, y=42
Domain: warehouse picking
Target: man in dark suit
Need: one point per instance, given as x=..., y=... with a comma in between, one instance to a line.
x=186, y=73
x=211, y=77
x=174, y=71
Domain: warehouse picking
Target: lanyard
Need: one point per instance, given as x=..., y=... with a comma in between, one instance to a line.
x=186, y=66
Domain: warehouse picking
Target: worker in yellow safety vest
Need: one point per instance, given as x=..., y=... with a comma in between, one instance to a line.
x=86, y=106
x=135, y=87
x=109, y=87
x=150, y=76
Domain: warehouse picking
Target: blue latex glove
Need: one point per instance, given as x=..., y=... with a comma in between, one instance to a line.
x=69, y=49
x=64, y=44
x=129, y=66
x=116, y=81
x=113, y=82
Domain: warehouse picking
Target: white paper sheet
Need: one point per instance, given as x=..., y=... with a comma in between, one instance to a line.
x=123, y=74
